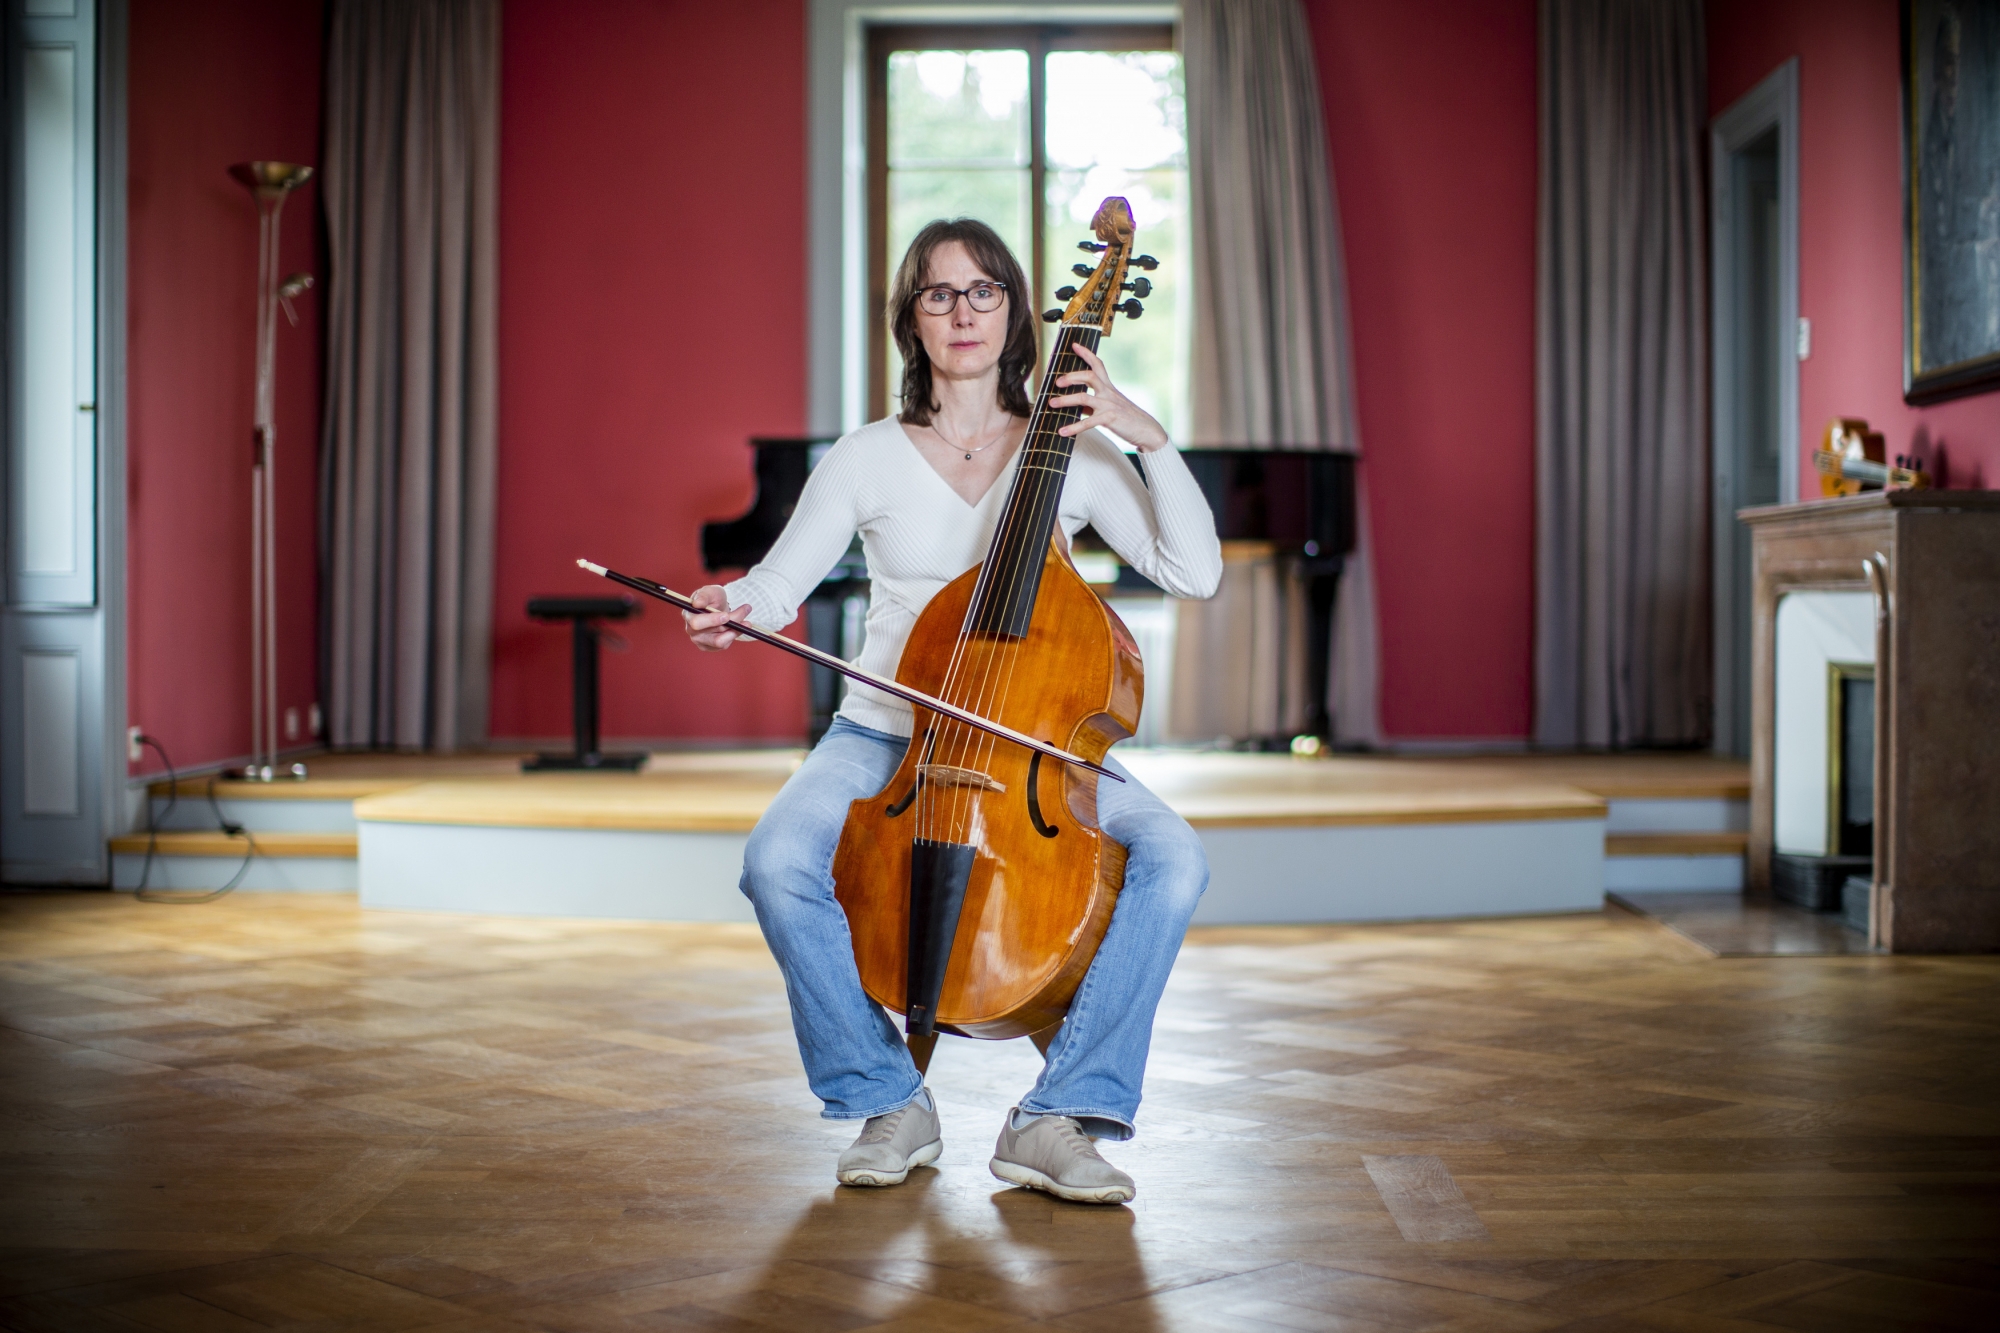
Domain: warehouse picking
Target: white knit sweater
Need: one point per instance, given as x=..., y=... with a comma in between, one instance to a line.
x=919, y=535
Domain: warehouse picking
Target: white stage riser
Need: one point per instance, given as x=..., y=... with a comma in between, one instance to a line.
x=194, y=814
x=267, y=874
x=1690, y=815
x=1623, y=874
x=1679, y=815
x=1401, y=872
x=1258, y=876
x=624, y=873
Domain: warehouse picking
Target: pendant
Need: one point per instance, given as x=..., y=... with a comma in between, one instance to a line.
x=968, y=458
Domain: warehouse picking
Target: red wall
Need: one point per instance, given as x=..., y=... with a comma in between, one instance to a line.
x=653, y=275
x=1850, y=223
x=1431, y=117
x=650, y=323
x=653, y=258
x=211, y=83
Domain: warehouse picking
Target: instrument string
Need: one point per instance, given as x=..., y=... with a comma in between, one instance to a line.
x=995, y=575
x=1026, y=526
x=1001, y=579
x=991, y=575
x=1041, y=495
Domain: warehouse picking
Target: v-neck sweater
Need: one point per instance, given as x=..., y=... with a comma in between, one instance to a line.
x=919, y=534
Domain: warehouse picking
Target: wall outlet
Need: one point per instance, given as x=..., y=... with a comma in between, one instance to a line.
x=291, y=724
x=135, y=746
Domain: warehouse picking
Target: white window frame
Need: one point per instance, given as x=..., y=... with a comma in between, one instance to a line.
x=837, y=174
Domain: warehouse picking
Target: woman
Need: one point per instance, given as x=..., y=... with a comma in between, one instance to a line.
x=925, y=489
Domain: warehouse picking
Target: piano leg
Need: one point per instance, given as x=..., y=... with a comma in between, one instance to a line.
x=1322, y=593
x=822, y=683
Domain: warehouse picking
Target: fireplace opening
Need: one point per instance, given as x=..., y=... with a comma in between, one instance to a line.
x=1850, y=746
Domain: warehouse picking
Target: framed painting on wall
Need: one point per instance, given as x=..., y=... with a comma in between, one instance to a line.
x=1951, y=198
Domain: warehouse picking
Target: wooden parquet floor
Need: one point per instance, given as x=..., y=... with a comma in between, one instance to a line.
x=282, y=1112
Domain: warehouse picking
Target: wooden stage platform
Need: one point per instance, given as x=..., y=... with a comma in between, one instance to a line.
x=1290, y=840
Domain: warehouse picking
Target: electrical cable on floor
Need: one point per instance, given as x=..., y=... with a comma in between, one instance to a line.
x=228, y=828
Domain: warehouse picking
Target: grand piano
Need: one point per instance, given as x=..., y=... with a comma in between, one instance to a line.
x=1300, y=502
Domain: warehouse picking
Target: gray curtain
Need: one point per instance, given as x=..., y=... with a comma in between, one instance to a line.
x=1271, y=367
x=407, y=454
x=1621, y=559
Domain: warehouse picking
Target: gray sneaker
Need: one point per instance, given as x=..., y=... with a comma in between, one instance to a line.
x=1053, y=1153
x=891, y=1144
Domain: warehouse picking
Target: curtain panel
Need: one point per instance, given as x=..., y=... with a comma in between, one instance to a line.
x=1271, y=365
x=1621, y=559
x=407, y=450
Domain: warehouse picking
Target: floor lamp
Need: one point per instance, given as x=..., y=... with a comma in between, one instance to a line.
x=269, y=183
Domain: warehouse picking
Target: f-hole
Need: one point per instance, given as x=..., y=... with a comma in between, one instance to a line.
x=1042, y=826
x=930, y=745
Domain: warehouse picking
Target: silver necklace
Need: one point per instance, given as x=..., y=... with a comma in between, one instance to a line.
x=961, y=448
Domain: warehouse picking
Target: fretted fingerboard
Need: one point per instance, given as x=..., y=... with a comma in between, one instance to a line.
x=1003, y=600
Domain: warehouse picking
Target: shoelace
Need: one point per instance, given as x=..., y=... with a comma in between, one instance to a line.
x=882, y=1128
x=1072, y=1134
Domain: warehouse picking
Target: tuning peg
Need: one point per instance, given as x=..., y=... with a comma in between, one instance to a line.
x=1090, y=247
x=1146, y=262
x=1051, y=316
x=1082, y=270
x=1139, y=287
x=1131, y=309
x=1064, y=293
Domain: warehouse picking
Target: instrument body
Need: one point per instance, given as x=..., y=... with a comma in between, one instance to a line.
x=1035, y=905
x=977, y=883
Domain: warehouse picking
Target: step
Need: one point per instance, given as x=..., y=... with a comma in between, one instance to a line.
x=1662, y=843
x=315, y=805
x=1677, y=814
x=1672, y=860
x=188, y=860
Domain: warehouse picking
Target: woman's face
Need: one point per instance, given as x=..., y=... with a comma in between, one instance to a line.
x=966, y=343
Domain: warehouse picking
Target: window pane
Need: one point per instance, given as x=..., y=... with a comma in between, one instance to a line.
x=958, y=108
x=958, y=147
x=1117, y=125
x=998, y=198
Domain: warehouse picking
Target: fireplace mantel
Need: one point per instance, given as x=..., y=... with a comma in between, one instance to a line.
x=1937, y=703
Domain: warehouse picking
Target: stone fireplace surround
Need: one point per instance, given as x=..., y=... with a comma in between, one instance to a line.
x=1929, y=561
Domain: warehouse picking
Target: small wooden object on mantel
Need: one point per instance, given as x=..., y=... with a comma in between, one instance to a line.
x=1852, y=459
x=1932, y=560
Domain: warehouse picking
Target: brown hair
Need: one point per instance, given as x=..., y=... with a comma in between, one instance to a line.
x=996, y=261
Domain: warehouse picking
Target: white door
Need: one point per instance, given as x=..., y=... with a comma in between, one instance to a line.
x=53, y=682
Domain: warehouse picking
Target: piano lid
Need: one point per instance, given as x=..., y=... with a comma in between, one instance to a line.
x=1300, y=500
x=781, y=465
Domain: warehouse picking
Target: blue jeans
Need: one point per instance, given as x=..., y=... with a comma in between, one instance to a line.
x=855, y=1060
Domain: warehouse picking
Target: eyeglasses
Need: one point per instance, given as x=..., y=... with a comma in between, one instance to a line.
x=985, y=297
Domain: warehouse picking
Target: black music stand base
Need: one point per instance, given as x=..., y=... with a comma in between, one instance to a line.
x=575, y=763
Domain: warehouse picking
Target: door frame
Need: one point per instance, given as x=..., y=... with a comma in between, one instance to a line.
x=1772, y=104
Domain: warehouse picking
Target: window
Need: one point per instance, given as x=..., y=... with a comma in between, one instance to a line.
x=1027, y=129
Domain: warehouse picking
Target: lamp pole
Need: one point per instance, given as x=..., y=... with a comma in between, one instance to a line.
x=269, y=184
